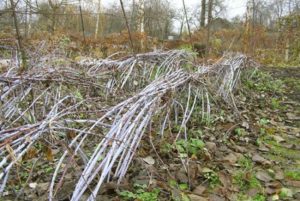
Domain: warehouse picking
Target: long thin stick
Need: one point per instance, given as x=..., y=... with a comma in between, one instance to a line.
x=187, y=22
x=128, y=28
x=23, y=67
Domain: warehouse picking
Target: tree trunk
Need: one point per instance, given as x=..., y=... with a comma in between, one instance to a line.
x=127, y=25
x=187, y=22
x=209, y=20
x=23, y=65
x=30, y=18
x=202, y=18
x=132, y=20
x=253, y=27
x=98, y=19
x=26, y=21
x=287, y=50
x=181, y=28
x=82, y=23
x=141, y=18
x=53, y=21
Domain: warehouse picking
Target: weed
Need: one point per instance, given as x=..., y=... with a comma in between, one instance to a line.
x=166, y=148
x=173, y=183
x=183, y=186
x=140, y=193
x=275, y=103
x=258, y=197
x=196, y=133
x=294, y=175
x=263, y=122
x=245, y=163
x=264, y=82
x=246, y=180
x=240, y=132
x=285, y=193
x=189, y=147
x=213, y=178
x=188, y=48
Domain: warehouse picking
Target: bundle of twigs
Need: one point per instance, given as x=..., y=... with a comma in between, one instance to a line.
x=141, y=66
x=35, y=104
x=113, y=154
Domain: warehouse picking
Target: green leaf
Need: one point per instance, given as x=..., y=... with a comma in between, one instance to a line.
x=183, y=187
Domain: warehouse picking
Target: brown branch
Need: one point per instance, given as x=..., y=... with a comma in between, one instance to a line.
x=128, y=28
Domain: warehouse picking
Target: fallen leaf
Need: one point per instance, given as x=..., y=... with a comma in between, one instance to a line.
x=279, y=175
x=206, y=170
x=259, y=159
x=225, y=179
x=292, y=116
x=215, y=197
x=48, y=153
x=275, y=197
x=273, y=187
x=240, y=149
x=278, y=139
x=231, y=158
x=33, y=185
x=194, y=197
x=42, y=188
x=252, y=192
x=245, y=125
x=149, y=160
x=263, y=148
x=182, y=177
x=212, y=147
x=293, y=183
x=199, y=190
x=263, y=176
x=270, y=191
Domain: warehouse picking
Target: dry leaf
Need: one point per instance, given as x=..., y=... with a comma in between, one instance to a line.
x=149, y=160
x=263, y=176
x=259, y=159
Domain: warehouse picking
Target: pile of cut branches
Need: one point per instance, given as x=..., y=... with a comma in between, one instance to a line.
x=108, y=106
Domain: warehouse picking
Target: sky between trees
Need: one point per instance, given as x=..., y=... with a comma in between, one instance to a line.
x=233, y=7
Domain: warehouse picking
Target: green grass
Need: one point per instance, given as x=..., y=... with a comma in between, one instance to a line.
x=294, y=175
x=141, y=193
x=190, y=147
x=212, y=178
x=245, y=180
x=245, y=163
x=263, y=82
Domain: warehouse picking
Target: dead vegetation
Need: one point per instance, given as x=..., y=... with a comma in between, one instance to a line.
x=99, y=110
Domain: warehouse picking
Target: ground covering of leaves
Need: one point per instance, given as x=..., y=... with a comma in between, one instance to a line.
x=254, y=155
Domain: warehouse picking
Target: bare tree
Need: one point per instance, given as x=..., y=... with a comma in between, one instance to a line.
x=98, y=18
x=81, y=19
x=141, y=20
x=187, y=21
x=23, y=65
x=128, y=28
x=209, y=20
x=203, y=9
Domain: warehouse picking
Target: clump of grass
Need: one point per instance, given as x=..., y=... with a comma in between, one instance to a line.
x=140, y=192
x=245, y=163
x=245, y=180
x=264, y=82
x=294, y=175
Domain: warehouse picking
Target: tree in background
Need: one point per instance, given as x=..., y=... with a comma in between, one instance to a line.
x=98, y=18
x=203, y=12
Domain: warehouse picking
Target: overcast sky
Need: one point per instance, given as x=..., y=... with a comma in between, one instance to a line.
x=234, y=7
